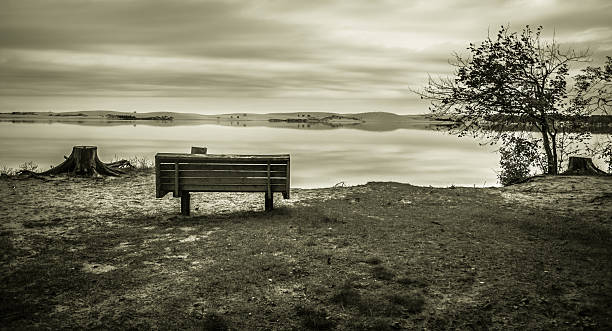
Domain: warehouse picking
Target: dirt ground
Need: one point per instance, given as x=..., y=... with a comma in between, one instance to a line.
x=105, y=253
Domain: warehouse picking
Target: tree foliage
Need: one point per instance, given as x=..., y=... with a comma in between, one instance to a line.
x=594, y=89
x=518, y=156
x=514, y=83
x=594, y=93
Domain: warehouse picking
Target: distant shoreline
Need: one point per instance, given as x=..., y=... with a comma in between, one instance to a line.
x=100, y=114
x=370, y=121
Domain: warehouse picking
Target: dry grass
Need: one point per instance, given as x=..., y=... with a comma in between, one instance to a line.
x=106, y=254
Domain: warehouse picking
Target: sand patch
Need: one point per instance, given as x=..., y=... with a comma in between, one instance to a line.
x=124, y=246
x=189, y=239
x=96, y=268
x=178, y=256
x=287, y=290
x=194, y=237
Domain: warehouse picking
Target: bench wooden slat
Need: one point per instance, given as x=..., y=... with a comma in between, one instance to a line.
x=223, y=180
x=177, y=192
x=237, y=161
x=269, y=183
x=221, y=158
x=224, y=156
x=158, y=193
x=287, y=188
x=225, y=188
x=221, y=173
x=218, y=166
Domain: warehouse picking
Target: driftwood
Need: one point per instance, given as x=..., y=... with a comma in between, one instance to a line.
x=122, y=164
x=84, y=161
x=24, y=174
x=583, y=166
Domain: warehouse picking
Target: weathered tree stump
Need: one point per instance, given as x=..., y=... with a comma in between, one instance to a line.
x=583, y=166
x=83, y=161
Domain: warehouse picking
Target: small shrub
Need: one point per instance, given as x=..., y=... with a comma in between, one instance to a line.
x=411, y=303
x=313, y=318
x=6, y=171
x=382, y=273
x=310, y=242
x=328, y=219
x=380, y=324
x=606, y=155
x=411, y=282
x=372, y=324
x=346, y=296
x=374, y=260
x=214, y=322
x=141, y=163
x=517, y=157
x=28, y=166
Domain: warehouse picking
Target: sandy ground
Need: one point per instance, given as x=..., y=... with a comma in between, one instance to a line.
x=565, y=195
x=107, y=199
x=111, y=198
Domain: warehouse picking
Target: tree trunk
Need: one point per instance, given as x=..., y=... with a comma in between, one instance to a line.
x=83, y=161
x=583, y=166
x=551, y=164
x=555, y=159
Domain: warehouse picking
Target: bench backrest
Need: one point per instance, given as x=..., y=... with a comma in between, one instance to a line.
x=221, y=173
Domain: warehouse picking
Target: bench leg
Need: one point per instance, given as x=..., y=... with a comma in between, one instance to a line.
x=185, y=203
x=269, y=201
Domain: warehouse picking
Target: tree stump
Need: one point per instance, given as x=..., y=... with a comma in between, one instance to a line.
x=583, y=166
x=83, y=161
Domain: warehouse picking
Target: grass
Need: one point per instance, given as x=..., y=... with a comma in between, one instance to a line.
x=141, y=163
x=382, y=273
x=483, y=264
x=314, y=318
x=347, y=296
x=213, y=322
x=413, y=304
x=373, y=260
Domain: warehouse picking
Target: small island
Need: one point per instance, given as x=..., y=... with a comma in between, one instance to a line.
x=334, y=119
x=134, y=118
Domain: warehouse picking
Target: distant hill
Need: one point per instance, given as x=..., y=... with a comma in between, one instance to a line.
x=366, y=116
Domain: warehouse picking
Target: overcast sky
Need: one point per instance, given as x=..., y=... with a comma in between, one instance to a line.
x=259, y=56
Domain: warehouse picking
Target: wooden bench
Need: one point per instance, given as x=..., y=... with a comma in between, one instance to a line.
x=185, y=173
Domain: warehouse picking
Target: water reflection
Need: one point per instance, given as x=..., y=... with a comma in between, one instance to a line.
x=319, y=158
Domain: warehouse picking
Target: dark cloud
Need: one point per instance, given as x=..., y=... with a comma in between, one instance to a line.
x=268, y=49
x=164, y=27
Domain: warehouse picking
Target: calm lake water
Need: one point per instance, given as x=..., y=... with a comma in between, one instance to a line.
x=319, y=158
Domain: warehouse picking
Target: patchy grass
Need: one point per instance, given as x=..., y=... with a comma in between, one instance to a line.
x=105, y=254
x=213, y=322
x=382, y=273
x=347, y=296
x=373, y=260
x=314, y=318
x=413, y=304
